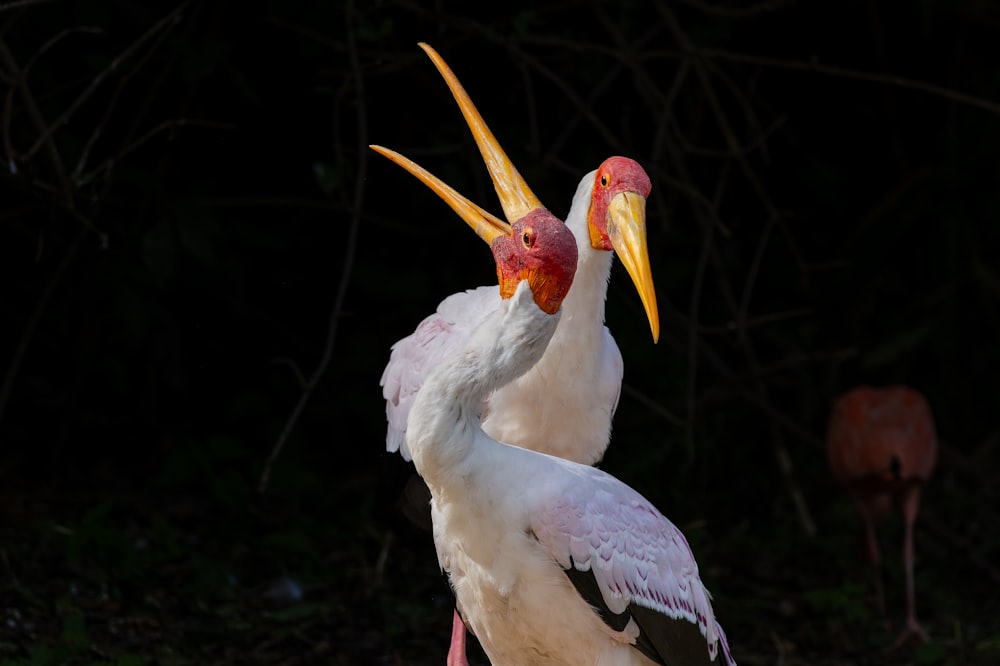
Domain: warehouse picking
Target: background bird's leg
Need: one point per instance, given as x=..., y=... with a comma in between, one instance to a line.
x=456, y=651
x=867, y=510
x=910, y=503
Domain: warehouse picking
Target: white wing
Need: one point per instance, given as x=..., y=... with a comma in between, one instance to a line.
x=413, y=357
x=629, y=561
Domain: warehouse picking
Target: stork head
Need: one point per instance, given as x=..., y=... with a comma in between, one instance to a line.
x=537, y=247
x=617, y=218
x=617, y=221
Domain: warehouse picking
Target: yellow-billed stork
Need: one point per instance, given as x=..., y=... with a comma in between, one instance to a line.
x=564, y=404
x=552, y=561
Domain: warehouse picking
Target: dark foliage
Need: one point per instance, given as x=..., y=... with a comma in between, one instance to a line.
x=203, y=260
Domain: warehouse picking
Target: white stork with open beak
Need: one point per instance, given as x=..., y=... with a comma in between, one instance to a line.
x=565, y=403
x=552, y=562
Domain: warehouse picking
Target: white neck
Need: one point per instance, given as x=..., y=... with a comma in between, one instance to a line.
x=444, y=422
x=584, y=304
x=580, y=336
x=573, y=373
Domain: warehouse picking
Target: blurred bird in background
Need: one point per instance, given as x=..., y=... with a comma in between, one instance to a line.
x=882, y=446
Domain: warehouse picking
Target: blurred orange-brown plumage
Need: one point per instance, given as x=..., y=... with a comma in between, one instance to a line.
x=882, y=446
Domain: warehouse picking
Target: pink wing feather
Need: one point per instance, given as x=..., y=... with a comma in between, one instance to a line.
x=636, y=554
x=414, y=356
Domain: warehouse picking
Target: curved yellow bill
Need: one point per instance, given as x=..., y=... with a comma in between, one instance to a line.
x=486, y=225
x=627, y=231
x=516, y=197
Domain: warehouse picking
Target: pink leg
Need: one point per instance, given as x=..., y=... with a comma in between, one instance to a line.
x=867, y=512
x=912, y=628
x=456, y=651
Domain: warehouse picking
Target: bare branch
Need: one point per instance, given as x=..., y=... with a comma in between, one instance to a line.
x=167, y=21
x=36, y=315
x=764, y=7
x=124, y=80
x=18, y=4
x=55, y=39
x=759, y=388
x=557, y=81
x=751, y=279
x=757, y=320
x=44, y=129
x=348, y=265
x=847, y=73
x=652, y=405
x=110, y=163
x=299, y=377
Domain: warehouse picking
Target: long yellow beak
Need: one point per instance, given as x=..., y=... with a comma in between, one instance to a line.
x=486, y=225
x=516, y=197
x=627, y=231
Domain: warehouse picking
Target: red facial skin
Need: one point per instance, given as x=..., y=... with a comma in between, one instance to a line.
x=542, y=250
x=614, y=176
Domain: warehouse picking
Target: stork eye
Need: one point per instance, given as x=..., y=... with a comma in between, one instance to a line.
x=604, y=180
x=528, y=238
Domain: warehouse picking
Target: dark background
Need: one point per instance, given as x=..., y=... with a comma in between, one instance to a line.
x=196, y=243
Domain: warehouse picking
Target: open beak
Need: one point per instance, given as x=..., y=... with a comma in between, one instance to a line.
x=627, y=231
x=486, y=225
x=516, y=197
